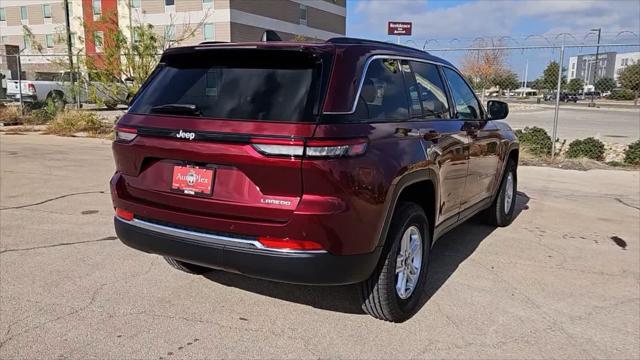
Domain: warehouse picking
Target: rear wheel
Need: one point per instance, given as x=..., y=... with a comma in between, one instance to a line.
x=57, y=99
x=395, y=290
x=186, y=267
x=503, y=208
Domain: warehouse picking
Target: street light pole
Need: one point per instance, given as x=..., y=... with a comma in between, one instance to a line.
x=72, y=74
x=595, y=68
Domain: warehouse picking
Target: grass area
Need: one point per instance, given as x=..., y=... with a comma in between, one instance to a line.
x=74, y=122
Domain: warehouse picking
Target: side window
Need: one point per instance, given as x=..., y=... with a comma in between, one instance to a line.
x=383, y=95
x=467, y=106
x=431, y=88
x=415, y=106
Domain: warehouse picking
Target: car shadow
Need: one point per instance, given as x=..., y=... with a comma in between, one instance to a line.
x=446, y=256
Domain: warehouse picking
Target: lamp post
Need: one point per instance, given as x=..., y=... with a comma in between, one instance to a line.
x=595, y=68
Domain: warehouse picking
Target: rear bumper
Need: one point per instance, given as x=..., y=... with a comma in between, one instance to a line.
x=242, y=256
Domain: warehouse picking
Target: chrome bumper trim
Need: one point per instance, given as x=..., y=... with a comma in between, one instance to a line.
x=210, y=238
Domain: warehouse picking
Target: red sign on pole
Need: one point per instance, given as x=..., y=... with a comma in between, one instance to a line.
x=399, y=28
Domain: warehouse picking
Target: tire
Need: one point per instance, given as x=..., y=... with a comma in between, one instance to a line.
x=379, y=296
x=57, y=99
x=501, y=211
x=186, y=267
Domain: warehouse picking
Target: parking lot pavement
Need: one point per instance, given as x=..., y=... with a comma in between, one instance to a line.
x=616, y=126
x=562, y=281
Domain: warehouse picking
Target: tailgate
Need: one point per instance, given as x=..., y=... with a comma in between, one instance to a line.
x=223, y=117
x=246, y=185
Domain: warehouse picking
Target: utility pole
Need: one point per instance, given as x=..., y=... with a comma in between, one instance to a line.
x=72, y=73
x=595, y=68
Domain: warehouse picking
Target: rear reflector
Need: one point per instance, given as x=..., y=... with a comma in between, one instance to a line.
x=124, y=214
x=312, y=148
x=125, y=133
x=289, y=244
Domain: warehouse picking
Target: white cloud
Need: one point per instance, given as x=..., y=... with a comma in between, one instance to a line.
x=493, y=18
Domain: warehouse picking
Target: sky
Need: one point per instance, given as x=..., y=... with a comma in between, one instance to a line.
x=456, y=23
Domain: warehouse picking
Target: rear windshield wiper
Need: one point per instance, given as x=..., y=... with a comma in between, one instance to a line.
x=177, y=109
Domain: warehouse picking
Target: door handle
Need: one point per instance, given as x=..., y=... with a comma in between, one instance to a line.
x=426, y=134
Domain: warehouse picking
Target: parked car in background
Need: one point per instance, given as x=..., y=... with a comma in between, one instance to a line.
x=57, y=88
x=564, y=97
x=312, y=163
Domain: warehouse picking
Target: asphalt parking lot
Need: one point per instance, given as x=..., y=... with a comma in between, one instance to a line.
x=611, y=125
x=562, y=282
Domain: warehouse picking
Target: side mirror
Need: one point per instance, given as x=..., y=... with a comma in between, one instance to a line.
x=498, y=110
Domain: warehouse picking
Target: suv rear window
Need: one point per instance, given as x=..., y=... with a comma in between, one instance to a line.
x=267, y=85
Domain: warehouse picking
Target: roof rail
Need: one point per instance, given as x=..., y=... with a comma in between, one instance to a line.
x=212, y=42
x=358, y=41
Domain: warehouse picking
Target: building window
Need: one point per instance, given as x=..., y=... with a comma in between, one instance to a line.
x=169, y=2
x=303, y=14
x=26, y=41
x=207, y=3
x=97, y=7
x=98, y=40
x=49, y=40
x=23, y=13
x=3, y=16
x=3, y=39
x=135, y=4
x=208, y=31
x=46, y=11
x=170, y=33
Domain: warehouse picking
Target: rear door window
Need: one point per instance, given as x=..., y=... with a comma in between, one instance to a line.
x=270, y=86
x=383, y=95
x=431, y=90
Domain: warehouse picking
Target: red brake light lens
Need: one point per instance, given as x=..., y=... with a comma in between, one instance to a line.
x=124, y=214
x=289, y=244
x=315, y=148
x=125, y=133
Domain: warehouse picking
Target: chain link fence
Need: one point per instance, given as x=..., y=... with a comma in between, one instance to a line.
x=31, y=80
x=571, y=91
x=562, y=89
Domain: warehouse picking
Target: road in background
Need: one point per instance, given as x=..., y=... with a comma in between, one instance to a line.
x=616, y=126
x=563, y=281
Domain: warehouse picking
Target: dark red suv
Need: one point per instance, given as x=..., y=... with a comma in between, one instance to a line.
x=312, y=163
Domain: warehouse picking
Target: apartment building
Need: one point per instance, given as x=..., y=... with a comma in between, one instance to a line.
x=38, y=26
x=609, y=65
x=237, y=20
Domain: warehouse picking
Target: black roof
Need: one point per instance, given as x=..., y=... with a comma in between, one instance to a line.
x=395, y=48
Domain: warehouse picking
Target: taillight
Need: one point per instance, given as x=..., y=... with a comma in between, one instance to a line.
x=289, y=244
x=335, y=148
x=125, y=133
x=124, y=214
x=31, y=88
x=278, y=147
x=315, y=148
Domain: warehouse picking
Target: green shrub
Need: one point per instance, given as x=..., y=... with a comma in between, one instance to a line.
x=68, y=123
x=43, y=114
x=632, y=154
x=590, y=148
x=535, y=140
x=623, y=94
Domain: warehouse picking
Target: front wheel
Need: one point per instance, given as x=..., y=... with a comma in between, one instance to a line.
x=395, y=290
